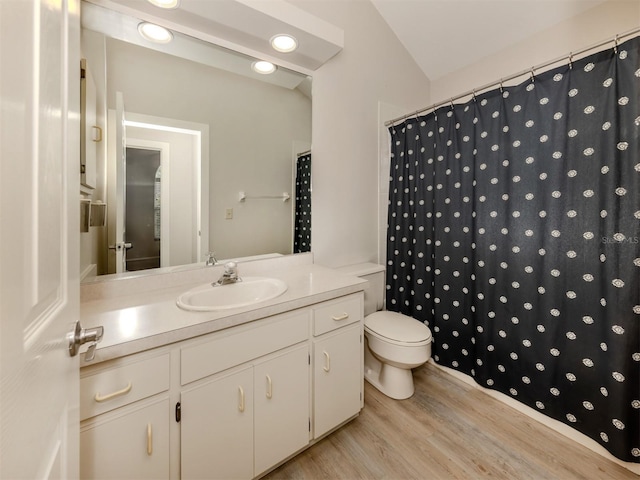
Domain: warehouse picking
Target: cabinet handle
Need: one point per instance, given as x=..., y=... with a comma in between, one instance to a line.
x=241, y=395
x=149, y=440
x=269, y=388
x=337, y=318
x=97, y=134
x=327, y=361
x=103, y=398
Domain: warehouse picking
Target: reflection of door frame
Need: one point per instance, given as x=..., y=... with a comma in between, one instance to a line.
x=114, y=180
x=201, y=159
x=165, y=192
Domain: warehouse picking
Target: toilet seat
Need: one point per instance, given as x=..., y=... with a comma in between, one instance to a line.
x=397, y=329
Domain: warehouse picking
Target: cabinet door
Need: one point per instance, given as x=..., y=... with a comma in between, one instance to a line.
x=281, y=409
x=217, y=428
x=337, y=378
x=132, y=445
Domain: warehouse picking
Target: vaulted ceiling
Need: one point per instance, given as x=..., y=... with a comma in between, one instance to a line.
x=445, y=35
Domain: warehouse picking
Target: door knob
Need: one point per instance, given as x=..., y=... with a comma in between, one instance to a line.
x=80, y=336
x=121, y=246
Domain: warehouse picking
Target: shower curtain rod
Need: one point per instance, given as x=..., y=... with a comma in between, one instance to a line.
x=303, y=153
x=530, y=71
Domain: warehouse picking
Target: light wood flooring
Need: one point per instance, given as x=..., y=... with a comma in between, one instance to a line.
x=447, y=430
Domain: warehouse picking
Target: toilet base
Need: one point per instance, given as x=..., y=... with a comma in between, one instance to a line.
x=394, y=382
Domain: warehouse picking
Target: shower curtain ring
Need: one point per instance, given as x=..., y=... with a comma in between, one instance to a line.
x=532, y=79
x=451, y=102
x=615, y=46
x=501, y=86
x=570, y=60
x=474, y=94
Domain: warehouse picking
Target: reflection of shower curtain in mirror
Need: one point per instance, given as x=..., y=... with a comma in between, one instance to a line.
x=302, y=227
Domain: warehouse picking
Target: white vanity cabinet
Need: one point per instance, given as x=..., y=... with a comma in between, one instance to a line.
x=126, y=420
x=241, y=424
x=251, y=410
x=337, y=362
x=281, y=405
x=250, y=396
x=216, y=432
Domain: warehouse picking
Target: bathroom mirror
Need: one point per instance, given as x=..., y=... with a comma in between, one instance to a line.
x=257, y=125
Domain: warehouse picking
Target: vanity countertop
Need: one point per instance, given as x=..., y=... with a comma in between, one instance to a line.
x=150, y=318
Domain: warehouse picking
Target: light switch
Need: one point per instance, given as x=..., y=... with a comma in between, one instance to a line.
x=228, y=214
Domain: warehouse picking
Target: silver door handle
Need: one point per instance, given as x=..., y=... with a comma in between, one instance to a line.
x=80, y=336
x=121, y=245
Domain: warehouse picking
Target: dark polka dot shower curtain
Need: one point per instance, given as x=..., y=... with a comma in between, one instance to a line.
x=514, y=233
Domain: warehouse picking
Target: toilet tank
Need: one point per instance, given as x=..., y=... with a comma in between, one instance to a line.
x=374, y=291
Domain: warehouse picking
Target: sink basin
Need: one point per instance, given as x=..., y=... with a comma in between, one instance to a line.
x=251, y=290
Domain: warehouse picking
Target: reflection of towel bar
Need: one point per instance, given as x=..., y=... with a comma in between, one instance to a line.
x=243, y=196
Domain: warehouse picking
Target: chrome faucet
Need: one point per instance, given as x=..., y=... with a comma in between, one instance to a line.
x=210, y=260
x=230, y=275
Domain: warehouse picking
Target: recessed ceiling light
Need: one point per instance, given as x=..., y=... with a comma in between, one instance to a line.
x=154, y=33
x=284, y=43
x=165, y=3
x=263, y=67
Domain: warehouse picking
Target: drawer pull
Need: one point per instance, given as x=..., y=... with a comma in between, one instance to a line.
x=100, y=398
x=337, y=318
x=149, y=440
x=241, y=399
x=327, y=362
x=269, y=388
x=96, y=134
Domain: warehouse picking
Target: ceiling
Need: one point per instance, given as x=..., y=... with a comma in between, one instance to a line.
x=245, y=26
x=123, y=27
x=446, y=35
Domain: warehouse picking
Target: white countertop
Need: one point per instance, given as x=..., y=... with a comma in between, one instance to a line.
x=150, y=318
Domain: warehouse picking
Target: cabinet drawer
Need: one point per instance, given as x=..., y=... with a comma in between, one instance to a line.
x=228, y=350
x=123, y=385
x=337, y=313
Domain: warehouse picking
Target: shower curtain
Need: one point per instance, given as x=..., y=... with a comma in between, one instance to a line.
x=302, y=221
x=514, y=233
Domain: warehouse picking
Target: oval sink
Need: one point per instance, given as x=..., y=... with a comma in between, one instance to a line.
x=251, y=290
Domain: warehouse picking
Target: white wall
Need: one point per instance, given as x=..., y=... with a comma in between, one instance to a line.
x=373, y=67
x=591, y=27
x=252, y=126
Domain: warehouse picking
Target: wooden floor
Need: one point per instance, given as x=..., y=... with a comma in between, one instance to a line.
x=447, y=430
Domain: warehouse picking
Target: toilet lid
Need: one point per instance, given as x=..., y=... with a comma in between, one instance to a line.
x=397, y=327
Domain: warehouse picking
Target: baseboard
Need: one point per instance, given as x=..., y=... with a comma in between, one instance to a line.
x=90, y=271
x=556, y=425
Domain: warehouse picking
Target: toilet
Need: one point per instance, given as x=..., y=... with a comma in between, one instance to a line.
x=394, y=343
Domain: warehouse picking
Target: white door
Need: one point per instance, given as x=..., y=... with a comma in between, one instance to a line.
x=217, y=428
x=281, y=407
x=116, y=175
x=130, y=443
x=39, y=237
x=337, y=378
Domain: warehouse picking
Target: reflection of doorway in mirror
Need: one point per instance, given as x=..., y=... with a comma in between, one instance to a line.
x=183, y=195
x=143, y=201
